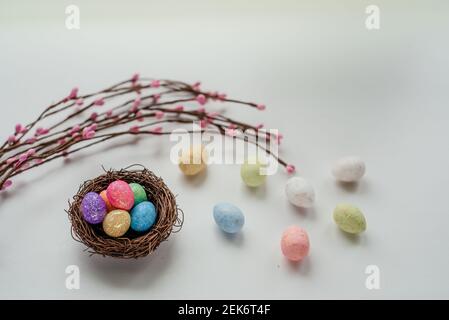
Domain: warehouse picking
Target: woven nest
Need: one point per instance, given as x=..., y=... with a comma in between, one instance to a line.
x=132, y=244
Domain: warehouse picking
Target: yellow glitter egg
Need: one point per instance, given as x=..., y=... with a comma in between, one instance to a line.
x=193, y=160
x=251, y=172
x=116, y=223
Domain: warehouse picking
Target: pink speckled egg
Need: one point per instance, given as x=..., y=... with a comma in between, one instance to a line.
x=120, y=195
x=295, y=243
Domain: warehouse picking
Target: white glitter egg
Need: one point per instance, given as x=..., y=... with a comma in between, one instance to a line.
x=300, y=192
x=349, y=169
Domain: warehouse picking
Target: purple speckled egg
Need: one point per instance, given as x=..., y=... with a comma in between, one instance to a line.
x=120, y=195
x=93, y=208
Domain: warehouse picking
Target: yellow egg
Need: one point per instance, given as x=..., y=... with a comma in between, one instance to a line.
x=116, y=223
x=251, y=172
x=193, y=160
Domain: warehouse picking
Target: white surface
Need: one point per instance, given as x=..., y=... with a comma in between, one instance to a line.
x=331, y=86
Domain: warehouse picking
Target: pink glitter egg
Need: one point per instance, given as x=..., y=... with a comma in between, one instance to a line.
x=120, y=195
x=295, y=243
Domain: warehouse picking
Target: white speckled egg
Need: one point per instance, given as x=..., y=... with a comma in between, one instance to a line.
x=300, y=192
x=349, y=169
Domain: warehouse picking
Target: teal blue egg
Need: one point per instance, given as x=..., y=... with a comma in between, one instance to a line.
x=143, y=216
x=228, y=217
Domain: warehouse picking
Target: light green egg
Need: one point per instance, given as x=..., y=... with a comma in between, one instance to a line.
x=139, y=193
x=251, y=173
x=349, y=218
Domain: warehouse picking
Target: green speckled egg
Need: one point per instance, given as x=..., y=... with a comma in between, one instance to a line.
x=349, y=218
x=139, y=193
x=250, y=172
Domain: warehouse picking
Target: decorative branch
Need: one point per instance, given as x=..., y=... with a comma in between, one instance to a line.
x=145, y=105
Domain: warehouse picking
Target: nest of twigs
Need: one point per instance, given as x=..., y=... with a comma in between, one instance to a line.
x=132, y=244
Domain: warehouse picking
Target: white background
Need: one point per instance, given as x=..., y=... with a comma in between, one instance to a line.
x=331, y=86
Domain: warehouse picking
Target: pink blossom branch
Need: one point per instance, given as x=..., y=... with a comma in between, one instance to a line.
x=148, y=104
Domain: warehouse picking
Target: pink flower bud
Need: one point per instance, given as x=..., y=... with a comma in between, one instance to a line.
x=159, y=114
x=12, y=139
x=88, y=134
x=6, y=184
x=73, y=94
x=31, y=152
x=156, y=97
x=137, y=102
x=62, y=141
x=30, y=140
x=139, y=116
x=155, y=84
x=99, y=102
x=79, y=102
x=109, y=113
x=201, y=99
x=179, y=108
x=93, y=116
x=156, y=130
x=232, y=126
x=221, y=96
x=41, y=132
x=259, y=126
x=134, y=129
x=196, y=86
x=23, y=157
x=74, y=129
x=261, y=107
x=290, y=168
x=203, y=124
x=93, y=127
x=135, y=78
x=18, y=128
x=231, y=132
x=11, y=160
x=38, y=161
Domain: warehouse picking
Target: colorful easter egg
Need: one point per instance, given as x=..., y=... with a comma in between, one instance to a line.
x=350, y=219
x=116, y=223
x=139, y=193
x=300, y=192
x=228, y=217
x=120, y=195
x=193, y=160
x=295, y=243
x=104, y=196
x=251, y=173
x=93, y=208
x=349, y=169
x=143, y=216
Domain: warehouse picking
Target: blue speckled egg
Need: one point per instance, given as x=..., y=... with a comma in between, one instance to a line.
x=93, y=208
x=228, y=217
x=143, y=216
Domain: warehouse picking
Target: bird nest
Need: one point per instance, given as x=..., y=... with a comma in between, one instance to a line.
x=132, y=244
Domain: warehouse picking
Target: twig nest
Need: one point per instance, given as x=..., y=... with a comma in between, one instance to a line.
x=193, y=160
x=349, y=169
x=295, y=244
x=228, y=217
x=350, y=219
x=252, y=173
x=124, y=233
x=300, y=192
